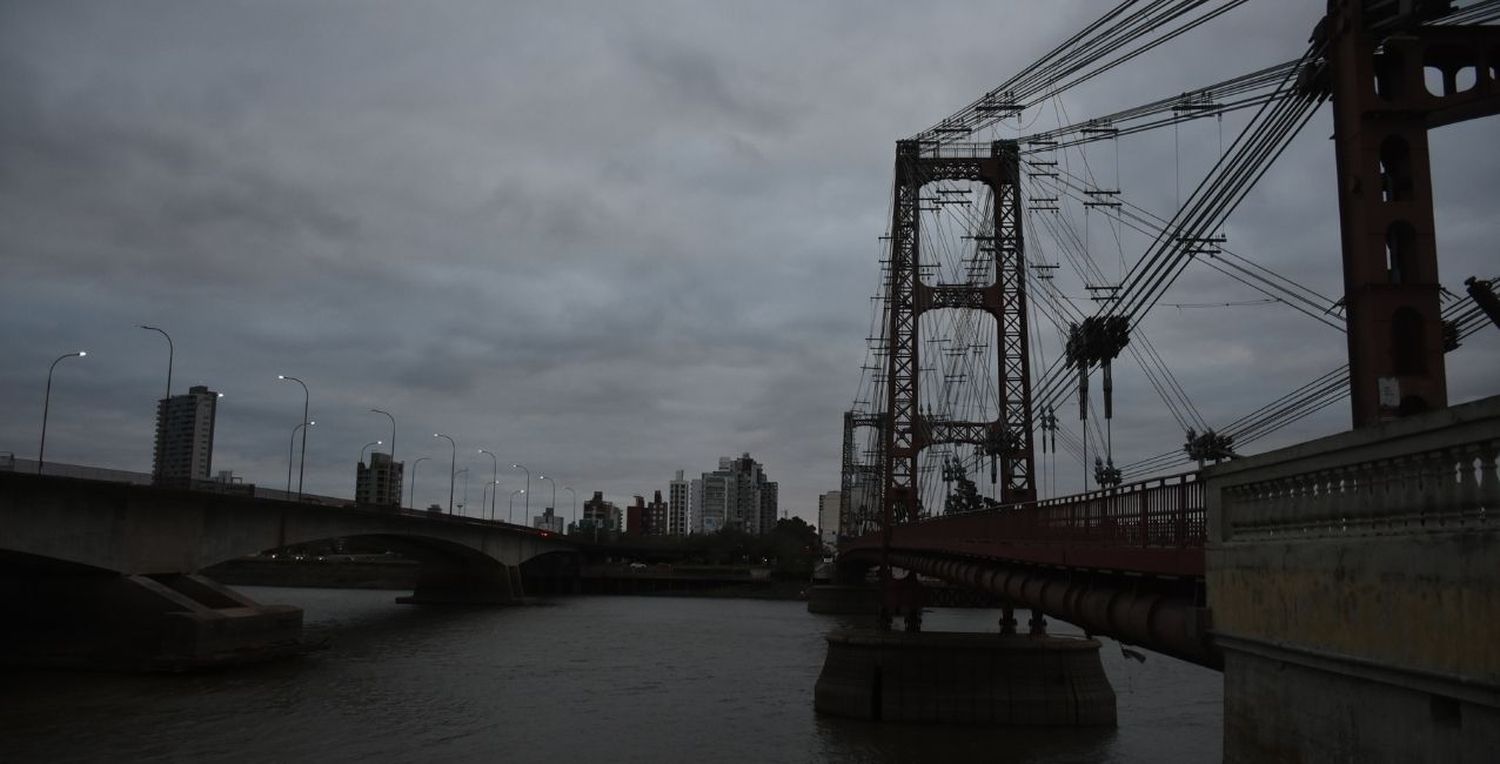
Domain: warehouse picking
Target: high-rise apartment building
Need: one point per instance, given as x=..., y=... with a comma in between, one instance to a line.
x=830, y=506
x=600, y=515
x=548, y=521
x=679, y=506
x=737, y=495
x=378, y=484
x=695, y=507
x=656, y=518
x=185, y=436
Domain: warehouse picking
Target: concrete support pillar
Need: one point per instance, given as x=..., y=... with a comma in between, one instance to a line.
x=1007, y=620
x=952, y=678
x=169, y=622
x=1037, y=624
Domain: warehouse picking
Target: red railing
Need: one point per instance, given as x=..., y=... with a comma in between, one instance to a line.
x=1155, y=526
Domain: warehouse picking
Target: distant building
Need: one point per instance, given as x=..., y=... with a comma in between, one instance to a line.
x=680, y=506
x=378, y=484
x=829, y=508
x=600, y=515
x=657, y=522
x=635, y=516
x=695, y=508
x=548, y=521
x=738, y=495
x=185, y=436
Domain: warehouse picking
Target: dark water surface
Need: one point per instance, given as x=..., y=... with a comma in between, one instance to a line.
x=588, y=679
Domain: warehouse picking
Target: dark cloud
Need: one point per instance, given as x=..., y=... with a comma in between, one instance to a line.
x=606, y=240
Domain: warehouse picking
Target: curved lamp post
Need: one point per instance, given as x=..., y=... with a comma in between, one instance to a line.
x=464, y=506
x=493, y=487
x=512, y=512
x=569, y=489
x=522, y=468
x=289, y=451
x=452, y=468
x=393, y=435
x=413, y=499
x=554, y=490
x=302, y=468
x=494, y=478
x=366, y=448
x=171, y=351
x=41, y=451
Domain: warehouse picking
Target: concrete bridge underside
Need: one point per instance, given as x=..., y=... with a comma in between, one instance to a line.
x=98, y=573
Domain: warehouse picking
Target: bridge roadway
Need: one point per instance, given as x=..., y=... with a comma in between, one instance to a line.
x=77, y=555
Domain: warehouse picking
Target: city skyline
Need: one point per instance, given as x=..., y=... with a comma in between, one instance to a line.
x=395, y=219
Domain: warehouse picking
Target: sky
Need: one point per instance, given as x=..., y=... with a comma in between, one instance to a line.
x=608, y=241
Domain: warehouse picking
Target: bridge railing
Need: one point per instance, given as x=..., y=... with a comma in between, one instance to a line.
x=1164, y=512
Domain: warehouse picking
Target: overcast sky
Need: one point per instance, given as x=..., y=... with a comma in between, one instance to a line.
x=608, y=240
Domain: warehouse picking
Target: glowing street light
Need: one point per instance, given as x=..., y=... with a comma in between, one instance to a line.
x=41, y=451
x=289, y=450
x=512, y=513
x=302, y=468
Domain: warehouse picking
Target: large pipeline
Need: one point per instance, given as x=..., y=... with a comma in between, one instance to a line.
x=1153, y=613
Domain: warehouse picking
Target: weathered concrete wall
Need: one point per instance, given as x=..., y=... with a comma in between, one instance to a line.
x=1354, y=585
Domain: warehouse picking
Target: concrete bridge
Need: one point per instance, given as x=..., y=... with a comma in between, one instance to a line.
x=97, y=572
x=1348, y=587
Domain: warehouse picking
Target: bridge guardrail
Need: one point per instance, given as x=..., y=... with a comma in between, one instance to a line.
x=1164, y=512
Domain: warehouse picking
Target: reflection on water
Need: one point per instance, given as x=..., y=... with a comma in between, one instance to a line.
x=615, y=679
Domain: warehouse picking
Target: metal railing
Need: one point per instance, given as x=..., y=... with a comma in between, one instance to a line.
x=1164, y=512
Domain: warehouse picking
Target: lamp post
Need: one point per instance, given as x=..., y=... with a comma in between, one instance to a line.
x=366, y=448
x=413, y=499
x=493, y=487
x=302, y=468
x=170, y=352
x=522, y=468
x=464, y=506
x=512, y=512
x=494, y=476
x=452, y=473
x=554, y=490
x=289, y=451
x=569, y=489
x=41, y=451
x=393, y=433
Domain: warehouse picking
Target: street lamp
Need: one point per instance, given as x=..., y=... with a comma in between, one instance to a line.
x=366, y=448
x=554, y=490
x=495, y=485
x=451, y=468
x=464, y=506
x=41, y=451
x=302, y=468
x=512, y=513
x=522, y=467
x=393, y=436
x=289, y=446
x=413, y=499
x=170, y=352
x=494, y=477
x=569, y=489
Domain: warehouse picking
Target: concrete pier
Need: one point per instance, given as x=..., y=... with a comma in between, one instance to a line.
x=171, y=622
x=957, y=678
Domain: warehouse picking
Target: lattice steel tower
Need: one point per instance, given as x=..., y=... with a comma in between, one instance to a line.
x=906, y=431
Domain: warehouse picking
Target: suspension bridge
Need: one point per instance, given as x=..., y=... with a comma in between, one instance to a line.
x=1000, y=306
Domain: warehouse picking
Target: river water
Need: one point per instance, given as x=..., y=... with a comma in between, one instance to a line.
x=584, y=679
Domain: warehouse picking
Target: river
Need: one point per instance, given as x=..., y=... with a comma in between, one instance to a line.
x=584, y=679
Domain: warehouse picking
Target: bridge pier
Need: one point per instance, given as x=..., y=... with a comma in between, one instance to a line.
x=953, y=678
x=170, y=622
x=466, y=584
